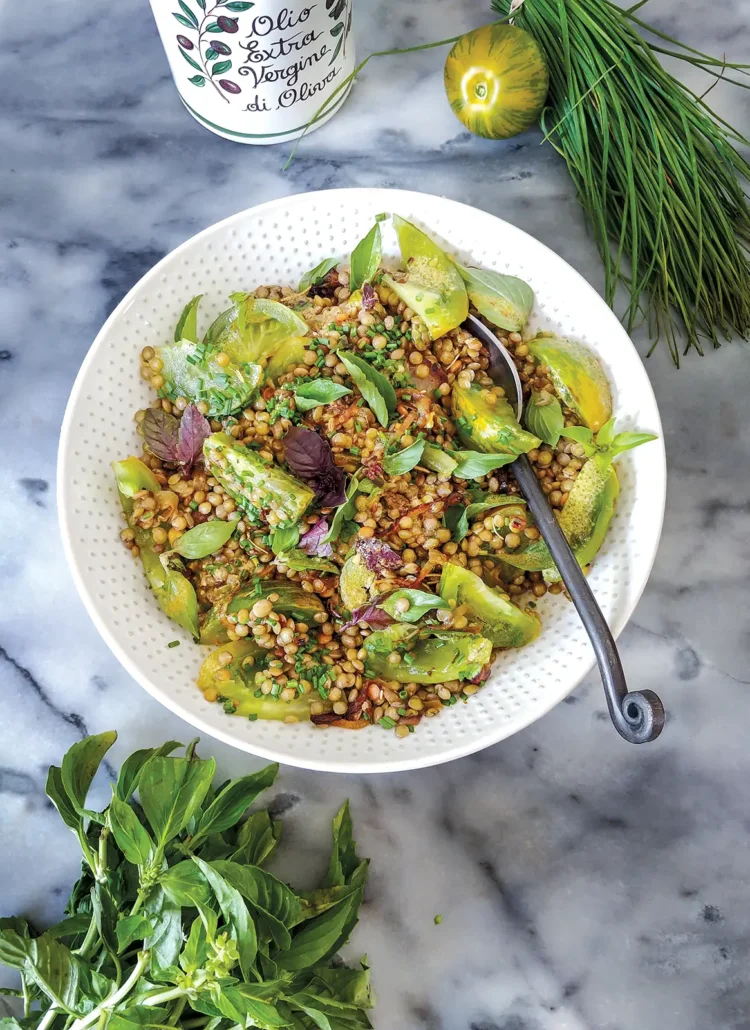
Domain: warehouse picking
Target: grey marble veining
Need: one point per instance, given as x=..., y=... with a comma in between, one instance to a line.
x=583, y=883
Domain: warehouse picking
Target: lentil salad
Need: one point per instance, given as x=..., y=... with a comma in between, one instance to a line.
x=323, y=495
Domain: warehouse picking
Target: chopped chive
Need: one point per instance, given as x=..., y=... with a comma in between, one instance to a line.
x=355, y=450
x=403, y=694
x=410, y=729
x=258, y=693
x=438, y=920
x=173, y=643
x=252, y=716
x=387, y=722
x=402, y=711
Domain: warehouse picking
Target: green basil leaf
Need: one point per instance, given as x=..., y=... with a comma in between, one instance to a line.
x=366, y=258
x=314, y=903
x=374, y=387
x=321, y=938
x=627, y=441
x=205, y=539
x=257, y=839
x=344, y=860
x=285, y=538
x=457, y=517
x=317, y=274
x=301, y=562
x=132, y=928
x=231, y=804
x=171, y=791
x=581, y=434
x=63, y=977
x=245, y=1005
x=235, y=913
x=185, y=885
x=606, y=434
x=420, y=602
x=79, y=766
x=197, y=947
x=130, y=770
x=274, y=905
x=55, y=791
x=131, y=836
x=165, y=943
x=405, y=460
x=70, y=926
x=138, y=1017
x=504, y=300
x=303, y=1003
x=345, y=511
x=187, y=323
x=320, y=391
x=436, y=460
x=473, y=464
x=105, y=915
x=347, y=986
x=544, y=420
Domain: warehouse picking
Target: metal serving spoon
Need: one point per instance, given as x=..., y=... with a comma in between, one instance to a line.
x=638, y=716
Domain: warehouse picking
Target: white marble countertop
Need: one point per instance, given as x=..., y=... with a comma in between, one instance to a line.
x=583, y=883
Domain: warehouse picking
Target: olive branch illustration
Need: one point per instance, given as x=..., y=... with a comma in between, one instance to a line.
x=341, y=11
x=207, y=24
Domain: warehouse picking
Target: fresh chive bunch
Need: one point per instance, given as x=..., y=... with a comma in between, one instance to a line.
x=656, y=170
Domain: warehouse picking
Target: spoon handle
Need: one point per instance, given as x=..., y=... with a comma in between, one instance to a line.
x=638, y=716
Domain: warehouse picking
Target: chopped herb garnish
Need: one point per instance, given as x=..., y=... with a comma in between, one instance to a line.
x=387, y=723
x=438, y=920
x=252, y=716
x=173, y=643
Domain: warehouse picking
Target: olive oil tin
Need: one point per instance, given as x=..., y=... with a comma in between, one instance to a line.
x=258, y=72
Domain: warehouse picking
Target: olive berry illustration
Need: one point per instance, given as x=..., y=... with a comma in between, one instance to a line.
x=227, y=24
x=229, y=86
x=185, y=43
x=220, y=48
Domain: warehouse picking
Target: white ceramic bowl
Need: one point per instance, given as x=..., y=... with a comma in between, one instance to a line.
x=276, y=243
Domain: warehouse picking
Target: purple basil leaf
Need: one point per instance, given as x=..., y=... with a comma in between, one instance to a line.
x=312, y=541
x=377, y=555
x=194, y=429
x=369, y=297
x=161, y=431
x=309, y=456
x=331, y=488
x=371, y=614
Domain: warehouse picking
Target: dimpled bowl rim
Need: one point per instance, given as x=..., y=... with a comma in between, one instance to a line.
x=524, y=684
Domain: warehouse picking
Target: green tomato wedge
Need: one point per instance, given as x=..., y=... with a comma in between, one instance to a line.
x=427, y=656
x=191, y=370
x=254, y=483
x=433, y=286
x=584, y=520
x=173, y=591
x=486, y=422
x=289, y=354
x=504, y=300
x=355, y=582
x=577, y=376
x=293, y=601
x=133, y=475
x=253, y=328
x=247, y=659
x=502, y=622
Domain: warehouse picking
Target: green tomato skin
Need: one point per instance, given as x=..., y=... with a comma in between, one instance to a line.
x=486, y=422
x=253, y=482
x=440, y=657
x=502, y=622
x=584, y=520
x=247, y=659
x=434, y=287
x=294, y=602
